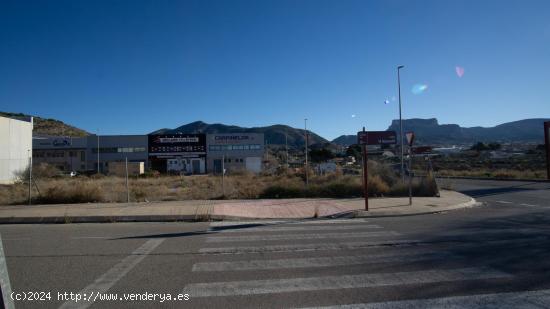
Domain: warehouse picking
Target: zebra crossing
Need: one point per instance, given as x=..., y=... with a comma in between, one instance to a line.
x=281, y=259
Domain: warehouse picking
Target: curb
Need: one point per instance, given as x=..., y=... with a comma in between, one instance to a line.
x=493, y=179
x=362, y=214
x=99, y=219
x=208, y=218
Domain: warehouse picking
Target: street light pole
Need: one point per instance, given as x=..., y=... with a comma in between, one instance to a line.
x=305, y=131
x=29, y=153
x=98, y=151
x=400, y=121
x=286, y=148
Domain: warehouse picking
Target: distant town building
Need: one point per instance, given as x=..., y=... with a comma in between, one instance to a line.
x=15, y=147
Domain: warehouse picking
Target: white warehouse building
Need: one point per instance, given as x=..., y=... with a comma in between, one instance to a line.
x=15, y=147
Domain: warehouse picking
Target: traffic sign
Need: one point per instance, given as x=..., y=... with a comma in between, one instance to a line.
x=376, y=137
x=410, y=138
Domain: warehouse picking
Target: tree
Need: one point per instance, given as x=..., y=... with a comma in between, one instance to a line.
x=321, y=155
x=355, y=151
x=494, y=146
x=479, y=146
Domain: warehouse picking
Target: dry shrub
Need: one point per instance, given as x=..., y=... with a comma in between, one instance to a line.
x=14, y=194
x=39, y=171
x=80, y=192
x=286, y=184
x=377, y=186
x=420, y=187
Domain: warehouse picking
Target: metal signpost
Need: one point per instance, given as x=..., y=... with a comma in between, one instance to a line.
x=547, y=142
x=365, y=138
x=410, y=141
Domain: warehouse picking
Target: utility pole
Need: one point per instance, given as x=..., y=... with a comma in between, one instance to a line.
x=127, y=186
x=365, y=173
x=306, y=167
x=400, y=122
x=286, y=147
x=547, y=143
x=410, y=173
x=30, y=176
x=223, y=175
x=98, y=151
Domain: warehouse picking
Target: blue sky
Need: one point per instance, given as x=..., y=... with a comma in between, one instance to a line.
x=131, y=67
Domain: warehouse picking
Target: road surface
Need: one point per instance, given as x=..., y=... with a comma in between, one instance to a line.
x=495, y=255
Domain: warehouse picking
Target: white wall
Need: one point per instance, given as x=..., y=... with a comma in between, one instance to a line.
x=15, y=143
x=254, y=164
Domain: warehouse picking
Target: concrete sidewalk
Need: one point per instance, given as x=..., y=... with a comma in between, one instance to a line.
x=231, y=209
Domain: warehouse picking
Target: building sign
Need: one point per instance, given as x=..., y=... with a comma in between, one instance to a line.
x=177, y=144
x=376, y=137
x=61, y=142
x=234, y=138
x=171, y=140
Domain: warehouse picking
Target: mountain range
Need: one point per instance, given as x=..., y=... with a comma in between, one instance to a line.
x=429, y=131
x=274, y=134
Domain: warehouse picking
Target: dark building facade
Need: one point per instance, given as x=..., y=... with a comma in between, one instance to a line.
x=178, y=153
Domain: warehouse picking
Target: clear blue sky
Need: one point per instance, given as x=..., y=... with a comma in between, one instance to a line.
x=131, y=67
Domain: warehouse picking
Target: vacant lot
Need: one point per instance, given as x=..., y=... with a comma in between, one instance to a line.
x=284, y=184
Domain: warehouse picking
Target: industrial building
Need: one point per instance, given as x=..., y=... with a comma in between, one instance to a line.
x=178, y=153
x=15, y=147
x=116, y=148
x=65, y=153
x=80, y=154
x=189, y=154
x=237, y=151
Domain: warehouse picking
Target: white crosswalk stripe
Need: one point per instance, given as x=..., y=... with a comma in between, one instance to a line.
x=269, y=286
x=306, y=247
x=300, y=236
x=512, y=300
x=394, y=257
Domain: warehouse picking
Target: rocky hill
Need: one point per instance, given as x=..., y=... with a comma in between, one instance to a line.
x=48, y=126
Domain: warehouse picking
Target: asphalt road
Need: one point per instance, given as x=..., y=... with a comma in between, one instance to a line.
x=494, y=255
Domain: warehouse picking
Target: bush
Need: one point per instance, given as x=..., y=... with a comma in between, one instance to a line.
x=279, y=191
x=81, y=192
x=39, y=171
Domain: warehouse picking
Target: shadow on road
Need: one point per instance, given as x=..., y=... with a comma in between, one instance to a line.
x=516, y=244
x=217, y=229
x=499, y=190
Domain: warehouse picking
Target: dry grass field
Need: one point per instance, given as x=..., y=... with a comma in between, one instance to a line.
x=284, y=184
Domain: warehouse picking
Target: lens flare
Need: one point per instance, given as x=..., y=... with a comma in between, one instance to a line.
x=419, y=88
x=353, y=116
x=459, y=71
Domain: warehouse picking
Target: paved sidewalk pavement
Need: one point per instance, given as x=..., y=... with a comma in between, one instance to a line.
x=205, y=210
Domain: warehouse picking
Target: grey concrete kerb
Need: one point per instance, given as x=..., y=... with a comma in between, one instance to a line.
x=364, y=214
x=281, y=209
